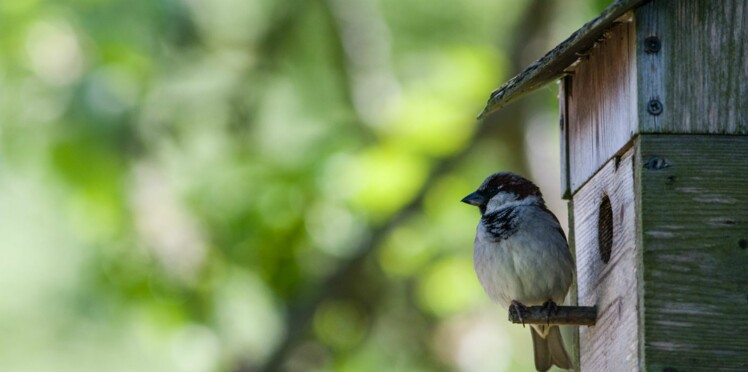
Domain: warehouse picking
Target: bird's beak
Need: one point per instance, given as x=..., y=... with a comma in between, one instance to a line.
x=474, y=199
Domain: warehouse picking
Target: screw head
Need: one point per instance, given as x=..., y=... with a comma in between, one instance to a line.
x=652, y=44
x=656, y=163
x=654, y=107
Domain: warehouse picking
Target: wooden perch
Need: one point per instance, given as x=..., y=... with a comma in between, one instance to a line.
x=564, y=315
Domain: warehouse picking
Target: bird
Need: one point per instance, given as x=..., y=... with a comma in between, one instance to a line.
x=522, y=258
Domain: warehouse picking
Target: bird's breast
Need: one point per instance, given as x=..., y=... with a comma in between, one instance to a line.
x=530, y=266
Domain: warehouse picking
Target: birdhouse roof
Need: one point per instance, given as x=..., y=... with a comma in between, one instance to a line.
x=553, y=64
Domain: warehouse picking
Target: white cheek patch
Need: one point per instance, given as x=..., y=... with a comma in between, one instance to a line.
x=499, y=200
x=507, y=199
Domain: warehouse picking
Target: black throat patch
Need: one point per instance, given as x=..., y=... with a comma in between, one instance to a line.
x=501, y=224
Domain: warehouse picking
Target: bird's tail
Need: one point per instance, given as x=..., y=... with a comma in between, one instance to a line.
x=549, y=350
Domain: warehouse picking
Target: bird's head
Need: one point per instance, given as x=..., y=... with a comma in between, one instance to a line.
x=502, y=188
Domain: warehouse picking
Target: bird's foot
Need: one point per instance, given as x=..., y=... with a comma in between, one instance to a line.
x=550, y=306
x=518, y=307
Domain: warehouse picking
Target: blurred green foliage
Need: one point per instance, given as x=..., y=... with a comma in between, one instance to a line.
x=179, y=177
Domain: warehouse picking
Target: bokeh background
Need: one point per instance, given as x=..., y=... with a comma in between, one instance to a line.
x=262, y=185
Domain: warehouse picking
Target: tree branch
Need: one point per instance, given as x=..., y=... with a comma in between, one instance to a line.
x=505, y=126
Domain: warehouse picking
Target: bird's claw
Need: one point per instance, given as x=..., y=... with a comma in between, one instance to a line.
x=550, y=306
x=518, y=307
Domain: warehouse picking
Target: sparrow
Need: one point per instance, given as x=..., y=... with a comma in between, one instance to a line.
x=521, y=256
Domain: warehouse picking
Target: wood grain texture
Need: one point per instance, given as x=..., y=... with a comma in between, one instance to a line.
x=572, y=298
x=701, y=72
x=602, y=103
x=563, y=123
x=694, y=220
x=611, y=345
x=552, y=65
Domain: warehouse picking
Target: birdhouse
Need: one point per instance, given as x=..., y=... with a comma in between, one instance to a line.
x=653, y=104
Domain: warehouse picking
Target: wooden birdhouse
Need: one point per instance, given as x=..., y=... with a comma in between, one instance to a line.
x=653, y=103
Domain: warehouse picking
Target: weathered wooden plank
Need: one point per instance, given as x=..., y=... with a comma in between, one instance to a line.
x=602, y=103
x=694, y=221
x=552, y=65
x=572, y=297
x=611, y=345
x=699, y=72
x=563, y=123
